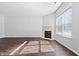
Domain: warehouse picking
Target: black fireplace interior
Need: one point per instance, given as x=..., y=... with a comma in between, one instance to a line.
x=47, y=34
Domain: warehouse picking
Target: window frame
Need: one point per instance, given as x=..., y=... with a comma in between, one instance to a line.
x=63, y=27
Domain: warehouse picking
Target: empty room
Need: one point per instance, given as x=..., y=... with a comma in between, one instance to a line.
x=39, y=28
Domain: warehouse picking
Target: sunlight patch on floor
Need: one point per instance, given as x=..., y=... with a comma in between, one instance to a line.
x=37, y=47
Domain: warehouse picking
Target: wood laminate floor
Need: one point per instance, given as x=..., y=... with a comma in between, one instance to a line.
x=34, y=47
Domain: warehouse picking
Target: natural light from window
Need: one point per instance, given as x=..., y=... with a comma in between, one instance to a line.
x=64, y=23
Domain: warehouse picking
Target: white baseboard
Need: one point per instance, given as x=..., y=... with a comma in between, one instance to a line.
x=68, y=48
x=1, y=37
x=48, y=38
x=21, y=37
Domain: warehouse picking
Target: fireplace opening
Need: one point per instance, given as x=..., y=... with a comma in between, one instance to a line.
x=47, y=34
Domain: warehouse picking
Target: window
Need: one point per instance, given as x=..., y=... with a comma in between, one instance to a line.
x=59, y=25
x=64, y=24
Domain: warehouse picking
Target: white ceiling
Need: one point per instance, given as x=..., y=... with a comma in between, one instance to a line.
x=28, y=8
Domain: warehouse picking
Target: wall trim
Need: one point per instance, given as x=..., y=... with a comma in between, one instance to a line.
x=1, y=37
x=47, y=38
x=22, y=37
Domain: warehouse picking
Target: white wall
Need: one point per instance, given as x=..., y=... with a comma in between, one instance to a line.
x=1, y=26
x=23, y=26
x=48, y=23
x=48, y=20
x=75, y=39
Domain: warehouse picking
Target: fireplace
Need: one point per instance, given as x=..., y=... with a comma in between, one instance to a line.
x=47, y=34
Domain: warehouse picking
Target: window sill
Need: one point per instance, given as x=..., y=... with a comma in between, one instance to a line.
x=64, y=35
x=67, y=36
